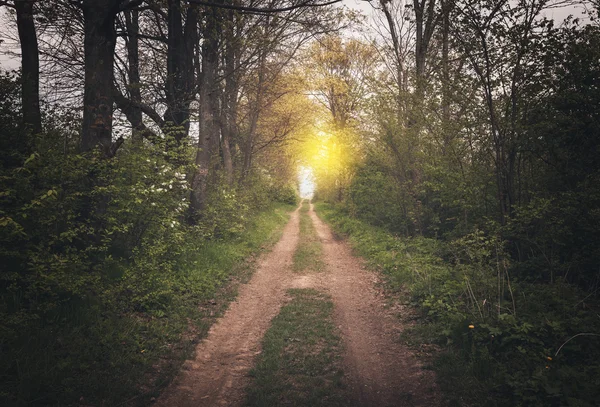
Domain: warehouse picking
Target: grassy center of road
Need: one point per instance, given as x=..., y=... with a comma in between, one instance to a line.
x=308, y=255
x=300, y=362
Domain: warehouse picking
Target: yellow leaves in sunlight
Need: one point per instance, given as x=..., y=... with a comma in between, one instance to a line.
x=332, y=153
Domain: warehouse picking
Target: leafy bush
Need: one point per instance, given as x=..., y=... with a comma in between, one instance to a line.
x=502, y=337
x=100, y=274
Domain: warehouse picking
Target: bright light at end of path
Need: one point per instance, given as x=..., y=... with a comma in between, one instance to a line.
x=307, y=183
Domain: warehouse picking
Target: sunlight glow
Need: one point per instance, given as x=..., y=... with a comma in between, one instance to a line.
x=307, y=183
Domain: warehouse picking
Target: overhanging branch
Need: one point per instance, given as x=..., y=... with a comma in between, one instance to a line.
x=307, y=3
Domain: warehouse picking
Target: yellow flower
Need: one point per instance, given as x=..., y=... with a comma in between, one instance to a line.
x=549, y=358
x=547, y=367
x=471, y=326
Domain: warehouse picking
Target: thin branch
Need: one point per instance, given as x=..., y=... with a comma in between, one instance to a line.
x=307, y=3
x=573, y=337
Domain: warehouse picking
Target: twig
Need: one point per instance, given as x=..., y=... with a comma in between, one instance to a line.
x=573, y=337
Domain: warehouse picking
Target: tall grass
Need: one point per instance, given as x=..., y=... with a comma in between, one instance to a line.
x=501, y=341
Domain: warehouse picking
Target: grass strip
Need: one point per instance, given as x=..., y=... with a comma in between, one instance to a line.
x=308, y=255
x=300, y=362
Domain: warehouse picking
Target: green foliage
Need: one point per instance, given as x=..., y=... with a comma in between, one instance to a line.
x=100, y=273
x=374, y=196
x=285, y=194
x=501, y=334
x=509, y=188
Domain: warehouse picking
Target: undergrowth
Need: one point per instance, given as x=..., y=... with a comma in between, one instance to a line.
x=122, y=350
x=503, y=341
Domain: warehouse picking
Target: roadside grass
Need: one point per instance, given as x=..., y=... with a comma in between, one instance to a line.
x=308, y=255
x=516, y=354
x=220, y=266
x=300, y=364
x=125, y=357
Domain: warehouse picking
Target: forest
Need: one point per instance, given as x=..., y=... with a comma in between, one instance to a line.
x=150, y=149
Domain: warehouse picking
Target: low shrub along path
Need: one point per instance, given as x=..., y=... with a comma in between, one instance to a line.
x=379, y=370
x=218, y=374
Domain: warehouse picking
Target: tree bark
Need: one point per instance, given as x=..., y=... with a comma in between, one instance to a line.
x=399, y=61
x=99, y=48
x=254, y=116
x=446, y=8
x=135, y=116
x=208, y=112
x=179, y=88
x=30, y=66
x=229, y=108
x=177, y=115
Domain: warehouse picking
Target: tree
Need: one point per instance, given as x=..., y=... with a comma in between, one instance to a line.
x=497, y=38
x=30, y=64
x=339, y=75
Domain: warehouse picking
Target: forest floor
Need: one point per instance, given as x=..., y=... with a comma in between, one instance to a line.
x=378, y=370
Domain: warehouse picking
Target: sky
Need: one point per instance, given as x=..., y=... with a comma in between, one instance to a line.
x=10, y=62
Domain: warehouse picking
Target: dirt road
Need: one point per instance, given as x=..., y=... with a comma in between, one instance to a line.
x=380, y=371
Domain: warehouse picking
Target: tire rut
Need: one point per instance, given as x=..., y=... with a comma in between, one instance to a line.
x=380, y=370
x=218, y=374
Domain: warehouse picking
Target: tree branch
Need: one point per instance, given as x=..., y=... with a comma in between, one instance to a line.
x=307, y=3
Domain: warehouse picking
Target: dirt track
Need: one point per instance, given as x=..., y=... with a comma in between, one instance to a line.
x=380, y=371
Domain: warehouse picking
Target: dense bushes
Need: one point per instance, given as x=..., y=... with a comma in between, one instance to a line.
x=100, y=271
x=507, y=341
x=488, y=217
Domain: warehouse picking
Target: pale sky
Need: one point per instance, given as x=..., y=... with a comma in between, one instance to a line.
x=9, y=62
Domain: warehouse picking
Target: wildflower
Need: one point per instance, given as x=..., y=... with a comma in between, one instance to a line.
x=547, y=367
x=471, y=326
x=549, y=358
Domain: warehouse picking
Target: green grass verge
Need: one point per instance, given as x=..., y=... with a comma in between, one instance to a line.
x=91, y=356
x=507, y=355
x=300, y=361
x=308, y=254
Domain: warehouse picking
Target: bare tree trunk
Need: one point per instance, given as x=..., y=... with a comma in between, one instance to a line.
x=254, y=116
x=177, y=115
x=426, y=20
x=30, y=66
x=230, y=97
x=208, y=113
x=446, y=7
x=399, y=61
x=132, y=25
x=99, y=45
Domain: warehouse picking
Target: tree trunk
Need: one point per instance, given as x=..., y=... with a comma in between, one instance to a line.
x=254, y=116
x=136, y=117
x=30, y=66
x=177, y=114
x=99, y=47
x=208, y=113
x=446, y=7
x=229, y=107
x=426, y=20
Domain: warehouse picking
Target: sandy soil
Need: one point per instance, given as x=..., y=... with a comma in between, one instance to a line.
x=218, y=374
x=380, y=371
